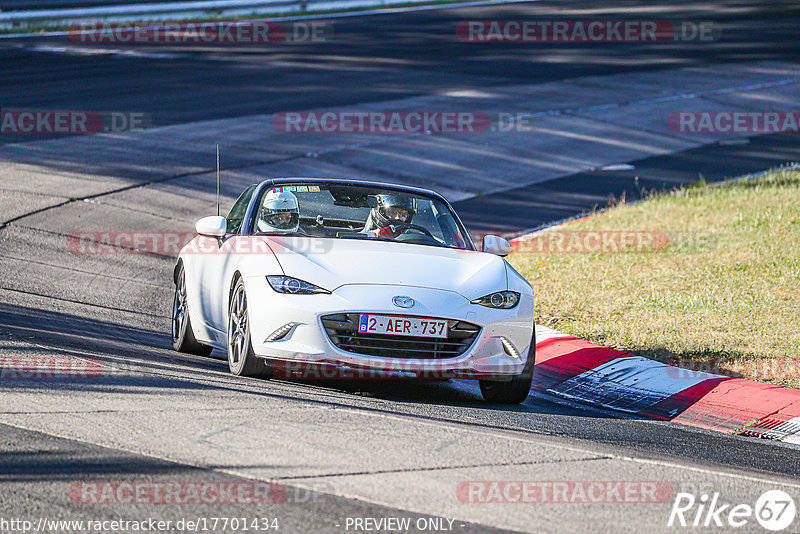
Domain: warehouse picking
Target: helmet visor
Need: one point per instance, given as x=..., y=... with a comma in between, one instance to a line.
x=282, y=220
x=397, y=214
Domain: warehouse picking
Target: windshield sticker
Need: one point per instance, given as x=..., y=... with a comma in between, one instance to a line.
x=297, y=189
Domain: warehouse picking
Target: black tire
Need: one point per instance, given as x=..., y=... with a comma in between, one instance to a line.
x=242, y=361
x=183, y=339
x=516, y=390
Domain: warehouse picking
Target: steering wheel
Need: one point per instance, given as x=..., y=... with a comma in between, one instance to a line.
x=403, y=228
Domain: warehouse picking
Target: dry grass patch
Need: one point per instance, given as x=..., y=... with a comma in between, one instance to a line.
x=715, y=287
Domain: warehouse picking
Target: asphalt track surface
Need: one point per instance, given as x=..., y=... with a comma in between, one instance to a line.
x=122, y=318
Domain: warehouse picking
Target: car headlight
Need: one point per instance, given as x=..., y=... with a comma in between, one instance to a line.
x=286, y=284
x=504, y=300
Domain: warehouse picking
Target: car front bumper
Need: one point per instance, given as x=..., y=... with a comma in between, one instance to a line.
x=500, y=348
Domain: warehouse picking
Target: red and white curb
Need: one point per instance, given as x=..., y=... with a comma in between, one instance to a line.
x=575, y=369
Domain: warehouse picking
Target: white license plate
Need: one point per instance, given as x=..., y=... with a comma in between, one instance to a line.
x=396, y=325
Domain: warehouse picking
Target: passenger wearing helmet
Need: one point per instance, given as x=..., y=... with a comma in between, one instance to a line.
x=392, y=211
x=280, y=212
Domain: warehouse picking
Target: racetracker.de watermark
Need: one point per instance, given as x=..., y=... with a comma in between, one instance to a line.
x=183, y=492
x=586, y=31
x=754, y=368
x=39, y=121
x=202, y=33
x=174, y=243
x=594, y=242
x=60, y=367
x=564, y=241
x=177, y=493
x=381, y=122
x=563, y=492
x=392, y=369
x=734, y=122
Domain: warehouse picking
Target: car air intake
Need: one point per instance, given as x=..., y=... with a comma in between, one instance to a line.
x=342, y=330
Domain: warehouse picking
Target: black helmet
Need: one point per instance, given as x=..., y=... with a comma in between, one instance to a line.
x=393, y=210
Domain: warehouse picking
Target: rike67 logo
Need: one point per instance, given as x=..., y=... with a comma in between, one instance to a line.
x=774, y=510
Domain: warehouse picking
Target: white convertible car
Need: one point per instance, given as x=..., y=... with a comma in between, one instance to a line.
x=356, y=275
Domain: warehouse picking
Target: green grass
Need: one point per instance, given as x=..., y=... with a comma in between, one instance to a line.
x=722, y=295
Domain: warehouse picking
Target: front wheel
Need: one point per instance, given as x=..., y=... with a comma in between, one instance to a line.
x=516, y=390
x=183, y=339
x=242, y=361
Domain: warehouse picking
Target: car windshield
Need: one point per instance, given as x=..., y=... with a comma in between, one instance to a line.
x=358, y=212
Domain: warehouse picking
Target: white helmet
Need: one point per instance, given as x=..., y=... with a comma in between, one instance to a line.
x=279, y=212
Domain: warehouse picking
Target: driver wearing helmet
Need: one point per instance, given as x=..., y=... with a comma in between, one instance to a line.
x=280, y=212
x=389, y=215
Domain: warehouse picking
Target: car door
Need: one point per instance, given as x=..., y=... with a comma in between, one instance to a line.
x=216, y=266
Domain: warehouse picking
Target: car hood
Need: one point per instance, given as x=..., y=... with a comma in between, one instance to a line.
x=332, y=263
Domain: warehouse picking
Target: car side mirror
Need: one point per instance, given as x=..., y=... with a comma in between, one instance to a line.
x=496, y=245
x=213, y=226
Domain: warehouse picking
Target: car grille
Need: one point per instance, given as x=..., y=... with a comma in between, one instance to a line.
x=342, y=330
